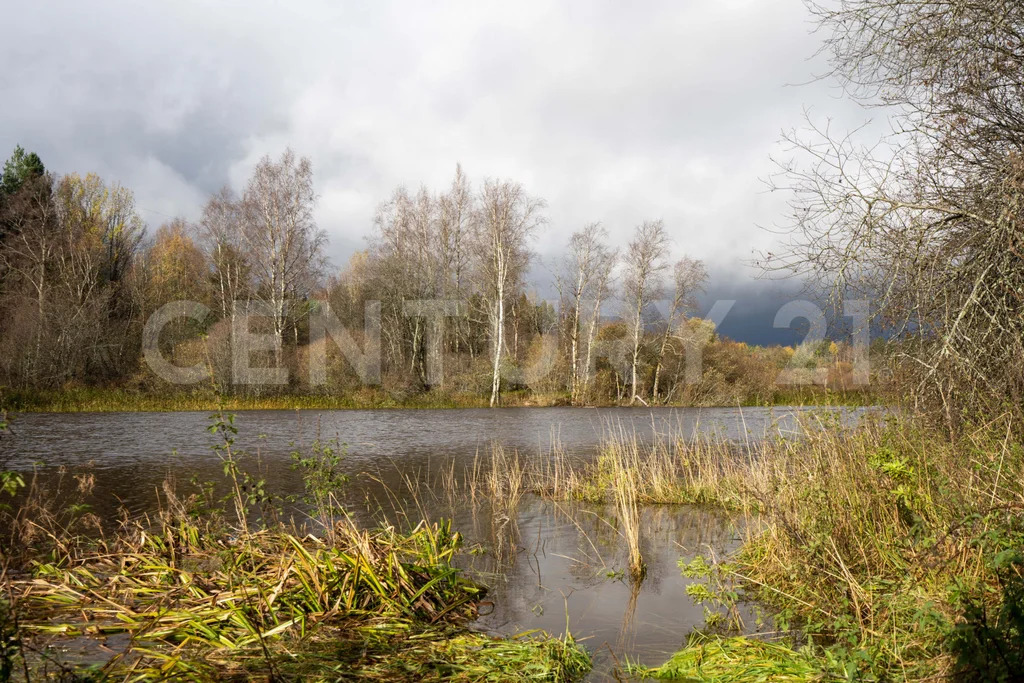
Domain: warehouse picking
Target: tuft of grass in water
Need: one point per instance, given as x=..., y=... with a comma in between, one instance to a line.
x=670, y=470
x=735, y=660
x=624, y=487
x=505, y=482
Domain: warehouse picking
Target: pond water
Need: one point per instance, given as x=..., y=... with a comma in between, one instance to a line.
x=554, y=566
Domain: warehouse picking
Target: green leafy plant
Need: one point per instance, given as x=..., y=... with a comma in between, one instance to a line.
x=10, y=482
x=715, y=590
x=988, y=642
x=248, y=491
x=322, y=478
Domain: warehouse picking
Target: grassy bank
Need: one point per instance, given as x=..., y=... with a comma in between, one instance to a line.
x=898, y=549
x=895, y=551
x=81, y=399
x=74, y=400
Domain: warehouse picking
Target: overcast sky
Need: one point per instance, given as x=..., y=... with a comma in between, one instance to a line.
x=612, y=112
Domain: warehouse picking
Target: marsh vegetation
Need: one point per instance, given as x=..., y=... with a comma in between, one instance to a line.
x=883, y=547
x=869, y=548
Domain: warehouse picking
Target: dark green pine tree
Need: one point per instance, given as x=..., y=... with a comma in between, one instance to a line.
x=20, y=167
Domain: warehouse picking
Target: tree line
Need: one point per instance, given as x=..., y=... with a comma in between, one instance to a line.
x=447, y=272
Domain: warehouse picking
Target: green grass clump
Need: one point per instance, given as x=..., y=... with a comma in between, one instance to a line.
x=735, y=660
x=472, y=657
x=371, y=605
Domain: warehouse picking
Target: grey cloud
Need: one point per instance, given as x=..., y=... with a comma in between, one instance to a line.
x=611, y=111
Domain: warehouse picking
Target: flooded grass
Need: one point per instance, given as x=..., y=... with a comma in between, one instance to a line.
x=196, y=603
x=670, y=469
x=883, y=551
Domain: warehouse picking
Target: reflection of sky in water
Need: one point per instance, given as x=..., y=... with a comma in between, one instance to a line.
x=564, y=564
x=552, y=563
x=571, y=567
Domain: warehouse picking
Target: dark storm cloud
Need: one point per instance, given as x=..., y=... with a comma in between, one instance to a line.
x=757, y=302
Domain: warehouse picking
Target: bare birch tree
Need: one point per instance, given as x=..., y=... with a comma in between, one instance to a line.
x=283, y=242
x=688, y=278
x=221, y=231
x=602, y=283
x=579, y=280
x=508, y=217
x=645, y=265
x=456, y=216
x=407, y=263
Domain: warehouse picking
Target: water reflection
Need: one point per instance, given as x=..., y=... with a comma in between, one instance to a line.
x=571, y=571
